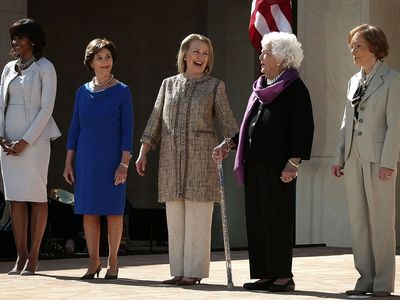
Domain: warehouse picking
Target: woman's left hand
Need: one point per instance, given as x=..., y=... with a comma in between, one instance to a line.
x=288, y=174
x=120, y=175
x=18, y=147
x=385, y=173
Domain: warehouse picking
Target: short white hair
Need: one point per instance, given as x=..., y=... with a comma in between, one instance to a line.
x=285, y=47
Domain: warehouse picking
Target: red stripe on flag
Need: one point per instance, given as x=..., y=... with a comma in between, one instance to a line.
x=263, y=7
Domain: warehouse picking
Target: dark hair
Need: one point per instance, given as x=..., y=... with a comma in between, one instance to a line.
x=31, y=29
x=375, y=38
x=94, y=47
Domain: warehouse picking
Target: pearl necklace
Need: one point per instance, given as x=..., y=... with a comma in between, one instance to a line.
x=104, y=83
x=24, y=65
x=272, y=81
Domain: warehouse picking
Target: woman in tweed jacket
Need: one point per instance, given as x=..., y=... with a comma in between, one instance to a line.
x=183, y=120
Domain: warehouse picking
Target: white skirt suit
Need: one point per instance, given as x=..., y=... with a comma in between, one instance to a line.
x=26, y=106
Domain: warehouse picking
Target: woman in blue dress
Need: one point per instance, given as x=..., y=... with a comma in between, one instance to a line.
x=99, y=149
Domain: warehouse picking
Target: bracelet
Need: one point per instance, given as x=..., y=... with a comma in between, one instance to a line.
x=124, y=165
x=229, y=142
x=293, y=163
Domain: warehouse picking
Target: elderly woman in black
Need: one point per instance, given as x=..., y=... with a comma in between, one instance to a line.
x=275, y=135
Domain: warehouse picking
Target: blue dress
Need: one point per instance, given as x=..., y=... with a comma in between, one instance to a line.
x=101, y=128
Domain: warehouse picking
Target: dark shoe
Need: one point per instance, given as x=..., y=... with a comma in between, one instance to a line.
x=277, y=288
x=254, y=286
x=172, y=280
x=355, y=292
x=91, y=275
x=111, y=276
x=381, y=294
x=189, y=281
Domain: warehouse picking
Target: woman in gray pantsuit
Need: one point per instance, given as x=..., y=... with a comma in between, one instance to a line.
x=182, y=118
x=367, y=153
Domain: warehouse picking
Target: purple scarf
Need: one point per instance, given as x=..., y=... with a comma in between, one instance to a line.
x=265, y=95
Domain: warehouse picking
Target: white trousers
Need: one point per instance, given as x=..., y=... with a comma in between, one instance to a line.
x=372, y=212
x=189, y=237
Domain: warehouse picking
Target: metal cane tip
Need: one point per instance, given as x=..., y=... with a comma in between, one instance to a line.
x=230, y=285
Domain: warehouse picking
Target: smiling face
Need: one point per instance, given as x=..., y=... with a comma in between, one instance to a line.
x=22, y=46
x=102, y=62
x=362, y=55
x=271, y=66
x=196, y=58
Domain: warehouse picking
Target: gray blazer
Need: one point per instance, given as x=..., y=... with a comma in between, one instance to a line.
x=39, y=95
x=378, y=126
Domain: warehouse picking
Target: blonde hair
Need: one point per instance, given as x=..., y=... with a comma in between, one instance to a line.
x=185, y=45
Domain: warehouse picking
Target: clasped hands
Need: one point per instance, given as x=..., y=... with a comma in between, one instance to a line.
x=13, y=147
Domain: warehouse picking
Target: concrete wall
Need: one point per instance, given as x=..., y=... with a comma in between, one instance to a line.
x=322, y=28
x=148, y=36
x=227, y=23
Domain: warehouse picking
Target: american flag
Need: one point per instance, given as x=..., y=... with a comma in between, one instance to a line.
x=267, y=16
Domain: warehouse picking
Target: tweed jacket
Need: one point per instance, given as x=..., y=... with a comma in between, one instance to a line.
x=39, y=90
x=378, y=125
x=183, y=120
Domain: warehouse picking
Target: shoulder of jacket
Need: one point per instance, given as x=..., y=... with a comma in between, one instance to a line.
x=10, y=65
x=217, y=80
x=172, y=78
x=44, y=63
x=296, y=84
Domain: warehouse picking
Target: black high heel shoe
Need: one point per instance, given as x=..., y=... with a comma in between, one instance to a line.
x=91, y=275
x=112, y=276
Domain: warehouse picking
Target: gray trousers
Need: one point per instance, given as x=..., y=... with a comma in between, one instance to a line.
x=372, y=212
x=189, y=237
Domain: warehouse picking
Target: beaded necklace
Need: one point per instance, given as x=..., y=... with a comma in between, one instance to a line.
x=24, y=65
x=271, y=81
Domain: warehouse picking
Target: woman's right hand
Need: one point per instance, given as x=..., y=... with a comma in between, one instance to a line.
x=337, y=171
x=141, y=164
x=220, y=152
x=142, y=159
x=69, y=174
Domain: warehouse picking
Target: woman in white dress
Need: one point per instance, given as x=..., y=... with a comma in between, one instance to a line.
x=27, y=95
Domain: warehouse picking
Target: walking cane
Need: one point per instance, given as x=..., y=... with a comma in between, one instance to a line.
x=225, y=226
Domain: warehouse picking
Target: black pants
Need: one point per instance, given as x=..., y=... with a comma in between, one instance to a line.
x=270, y=218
